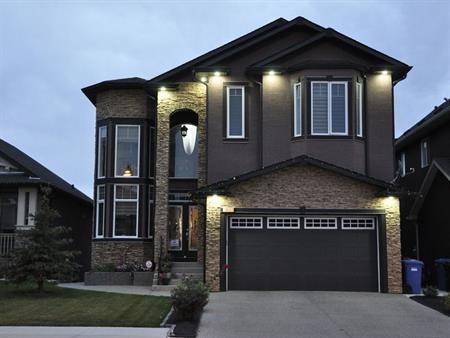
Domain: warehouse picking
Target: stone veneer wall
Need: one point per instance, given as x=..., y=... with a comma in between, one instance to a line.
x=116, y=252
x=190, y=95
x=122, y=103
x=303, y=187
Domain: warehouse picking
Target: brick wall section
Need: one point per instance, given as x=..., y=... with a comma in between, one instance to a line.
x=304, y=186
x=192, y=96
x=116, y=252
x=122, y=103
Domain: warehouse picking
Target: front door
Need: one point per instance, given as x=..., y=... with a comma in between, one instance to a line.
x=183, y=232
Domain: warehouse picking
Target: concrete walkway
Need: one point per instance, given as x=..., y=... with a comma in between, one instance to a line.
x=319, y=314
x=81, y=332
x=128, y=289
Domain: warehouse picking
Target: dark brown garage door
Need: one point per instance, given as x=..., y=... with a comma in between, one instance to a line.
x=302, y=253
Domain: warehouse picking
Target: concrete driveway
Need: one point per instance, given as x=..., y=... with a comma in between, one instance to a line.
x=246, y=314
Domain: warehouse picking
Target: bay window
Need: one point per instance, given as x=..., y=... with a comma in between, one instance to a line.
x=235, y=112
x=297, y=109
x=126, y=200
x=101, y=152
x=127, y=151
x=329, y=108
x=100, y=209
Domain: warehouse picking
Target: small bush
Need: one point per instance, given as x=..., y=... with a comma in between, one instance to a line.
x=105, y=267
x=430, y=291
x=189, y=298
x=447, y=303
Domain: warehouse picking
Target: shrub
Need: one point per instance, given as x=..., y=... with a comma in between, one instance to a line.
x=189, y=298
x=109, y=267
x=430, y=291
x=447, y=303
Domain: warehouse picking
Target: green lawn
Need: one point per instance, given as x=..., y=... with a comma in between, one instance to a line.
x=69, y=307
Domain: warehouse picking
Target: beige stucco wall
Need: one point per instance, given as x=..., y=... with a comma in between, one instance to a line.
x=192, y=96
x=303, y=186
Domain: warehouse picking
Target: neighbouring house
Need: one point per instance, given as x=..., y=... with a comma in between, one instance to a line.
x=423, y=154
x=267, y=161
x=20, y=180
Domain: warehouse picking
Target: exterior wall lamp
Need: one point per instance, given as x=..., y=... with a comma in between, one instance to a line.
x=184, y=131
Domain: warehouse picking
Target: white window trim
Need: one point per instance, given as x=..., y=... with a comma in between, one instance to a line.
x=321, y=228
x=98, y=150
x=403, y=164
x=297, y=132
x=359, y=132
x=99, y=201
x=283, y=228
x=427, y=153
x=373, y=227
x=246, y=228
x=330, y=83
x=242, y=135
x=126, y=200
x=138, y=152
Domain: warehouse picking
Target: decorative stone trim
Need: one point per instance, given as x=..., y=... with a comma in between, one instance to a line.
x=116, y=252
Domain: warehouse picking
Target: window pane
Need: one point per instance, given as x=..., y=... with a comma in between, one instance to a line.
x=358, y=110
x=235, y=112
x=183, y=157
x=338, y=108
x=193, y=228
x=320, y=108
x=125, y=219
x=101, y=151
x=126, y=192
x=298, y=110
x=101, y=192
x=100, y=214
x=127, y=151
x=175, y=227
x=8, y=211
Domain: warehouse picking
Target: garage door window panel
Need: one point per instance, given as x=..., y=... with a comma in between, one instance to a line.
x=246, y=222
x=320, y=223
x=358, y=223
x=283, y=223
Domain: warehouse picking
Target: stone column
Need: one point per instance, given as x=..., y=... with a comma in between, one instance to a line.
x=190, y=95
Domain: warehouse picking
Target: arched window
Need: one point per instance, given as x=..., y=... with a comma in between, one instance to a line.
x=183, y=144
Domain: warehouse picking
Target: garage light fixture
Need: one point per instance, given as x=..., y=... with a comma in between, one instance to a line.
x=203, y=79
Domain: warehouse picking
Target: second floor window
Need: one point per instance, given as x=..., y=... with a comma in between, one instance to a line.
x=127, y=151
x=126, y=210
x=329, y=108
x=235, y=112
x=424, y=153
x=101, y=156
x=100, y=222
x=298, y=109
x=359, y=112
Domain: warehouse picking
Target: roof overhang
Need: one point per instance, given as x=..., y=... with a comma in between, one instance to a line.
x=439, y=165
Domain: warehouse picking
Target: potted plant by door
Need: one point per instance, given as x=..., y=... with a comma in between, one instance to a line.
x=164, y=274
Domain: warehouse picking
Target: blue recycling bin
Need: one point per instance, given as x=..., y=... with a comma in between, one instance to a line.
x=442, y=281
x=413, y=275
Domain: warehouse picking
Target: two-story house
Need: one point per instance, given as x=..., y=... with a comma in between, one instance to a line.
x=423, y=154
x=266, y=160
x=20, y=180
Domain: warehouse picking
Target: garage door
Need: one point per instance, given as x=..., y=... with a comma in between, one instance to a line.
x=336, y=253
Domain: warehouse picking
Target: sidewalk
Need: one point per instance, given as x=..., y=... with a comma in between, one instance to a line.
x=80, y=332
x=128, y=289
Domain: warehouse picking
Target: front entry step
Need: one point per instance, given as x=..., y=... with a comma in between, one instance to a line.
x=180, y=270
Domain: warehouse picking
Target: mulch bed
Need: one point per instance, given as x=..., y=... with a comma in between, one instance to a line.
x=435, y=303
x=184, y=328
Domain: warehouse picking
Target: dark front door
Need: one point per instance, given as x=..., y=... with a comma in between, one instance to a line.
x=183, y=232
x=332, y=253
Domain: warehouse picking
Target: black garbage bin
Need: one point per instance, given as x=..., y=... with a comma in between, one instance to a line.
x=442, y=270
